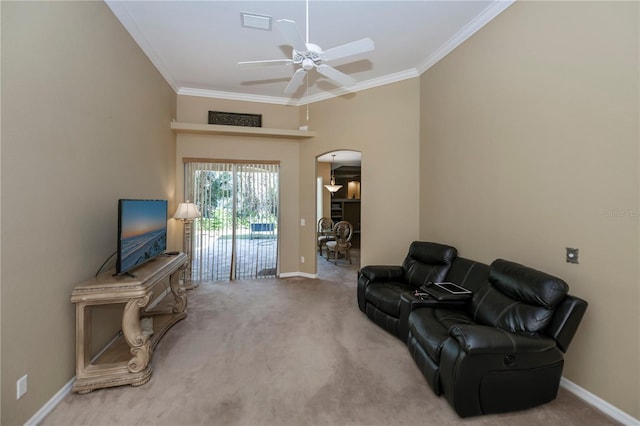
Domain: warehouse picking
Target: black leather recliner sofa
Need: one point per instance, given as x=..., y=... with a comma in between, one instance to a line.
x=380, y=287
x=501, y=350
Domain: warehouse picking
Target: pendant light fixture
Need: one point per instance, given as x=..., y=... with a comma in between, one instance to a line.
x=333, y=188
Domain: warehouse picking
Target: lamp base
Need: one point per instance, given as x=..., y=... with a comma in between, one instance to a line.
x=188, y=284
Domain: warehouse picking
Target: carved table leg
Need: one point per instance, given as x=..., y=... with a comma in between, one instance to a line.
x=132, y=330
x=179, y=292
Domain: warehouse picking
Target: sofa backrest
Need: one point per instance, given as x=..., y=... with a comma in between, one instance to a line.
x=427, y=262
x=517, y=298
x=468, y=273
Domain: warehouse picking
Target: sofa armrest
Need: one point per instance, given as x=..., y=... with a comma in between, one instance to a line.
x=370, y=274
x=382, y=273
x=480, y=339
x=566, y=320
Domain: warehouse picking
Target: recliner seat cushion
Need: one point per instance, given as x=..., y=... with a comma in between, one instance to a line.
x=385, y=296
x=430, y=327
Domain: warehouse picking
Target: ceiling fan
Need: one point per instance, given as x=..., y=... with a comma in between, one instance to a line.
x=310, y=56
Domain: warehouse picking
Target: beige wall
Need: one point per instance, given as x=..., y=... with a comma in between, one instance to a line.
x=520, y=143
x=324, y=172
x=192, y=109
x=85, y=121
x=530, y=145
x=383, y=124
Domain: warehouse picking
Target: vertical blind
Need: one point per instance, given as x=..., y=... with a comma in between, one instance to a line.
x=237, y=235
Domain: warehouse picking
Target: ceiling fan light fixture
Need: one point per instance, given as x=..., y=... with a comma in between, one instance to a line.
x=307, y=64
x=253, y=20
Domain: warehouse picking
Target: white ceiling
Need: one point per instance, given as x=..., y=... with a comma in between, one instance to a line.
x=196, y=44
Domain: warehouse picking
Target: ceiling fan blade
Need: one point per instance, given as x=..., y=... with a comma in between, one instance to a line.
x=290, y=32
x=267, y=62
x=295, y=82
x=335, y=75
x=349, y=49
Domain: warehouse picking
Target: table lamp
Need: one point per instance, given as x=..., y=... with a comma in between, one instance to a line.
x=187, y=212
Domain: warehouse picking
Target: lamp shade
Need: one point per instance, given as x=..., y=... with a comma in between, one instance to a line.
x=333, y=187
x=187, y=211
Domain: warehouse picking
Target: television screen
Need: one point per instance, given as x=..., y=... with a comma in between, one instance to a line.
x=142, y=232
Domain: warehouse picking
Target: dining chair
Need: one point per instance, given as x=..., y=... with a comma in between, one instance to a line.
x=325, y=232
x=343, y=231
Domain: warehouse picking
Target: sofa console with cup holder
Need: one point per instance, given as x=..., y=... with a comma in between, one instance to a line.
x=495, y=348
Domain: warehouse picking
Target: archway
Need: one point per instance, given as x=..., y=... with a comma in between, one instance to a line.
x=345, y=166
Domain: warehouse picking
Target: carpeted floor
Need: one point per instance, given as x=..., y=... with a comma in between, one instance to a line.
x=289, y=351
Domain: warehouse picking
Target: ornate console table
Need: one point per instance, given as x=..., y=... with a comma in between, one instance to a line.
x=127, y=360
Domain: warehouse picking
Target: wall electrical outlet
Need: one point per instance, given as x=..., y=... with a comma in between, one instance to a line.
x=21, y=386
x=301, y=259
x=572, y=255
x=303, y=222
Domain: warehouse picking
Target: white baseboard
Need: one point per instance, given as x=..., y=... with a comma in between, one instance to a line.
x=63, y=392
x=51, y=404
x=599, y=403
x=297, y=274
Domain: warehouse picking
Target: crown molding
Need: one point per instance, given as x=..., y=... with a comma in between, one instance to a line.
x=363, y=85
x=234, y=96
x=360, y=86
x=119, y=9
x=461, y=36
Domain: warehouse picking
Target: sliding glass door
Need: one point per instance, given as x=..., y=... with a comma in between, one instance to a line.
x=237, y=235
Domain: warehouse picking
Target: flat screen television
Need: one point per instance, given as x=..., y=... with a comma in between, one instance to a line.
x=142, y=232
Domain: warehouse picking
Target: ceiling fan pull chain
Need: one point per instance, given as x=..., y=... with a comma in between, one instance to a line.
x=306, y=96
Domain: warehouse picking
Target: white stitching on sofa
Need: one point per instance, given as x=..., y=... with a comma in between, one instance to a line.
x=486, y=293
x=510, y=337
x=464, y=280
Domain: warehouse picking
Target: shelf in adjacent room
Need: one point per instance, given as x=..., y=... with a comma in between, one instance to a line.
x=216, y=129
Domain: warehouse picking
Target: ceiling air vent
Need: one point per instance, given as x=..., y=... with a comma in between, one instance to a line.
x=253, y=20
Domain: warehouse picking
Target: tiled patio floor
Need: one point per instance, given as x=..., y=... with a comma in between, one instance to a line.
x=256, y=258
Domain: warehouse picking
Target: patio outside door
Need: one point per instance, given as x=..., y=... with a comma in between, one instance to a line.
x=237, y=235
